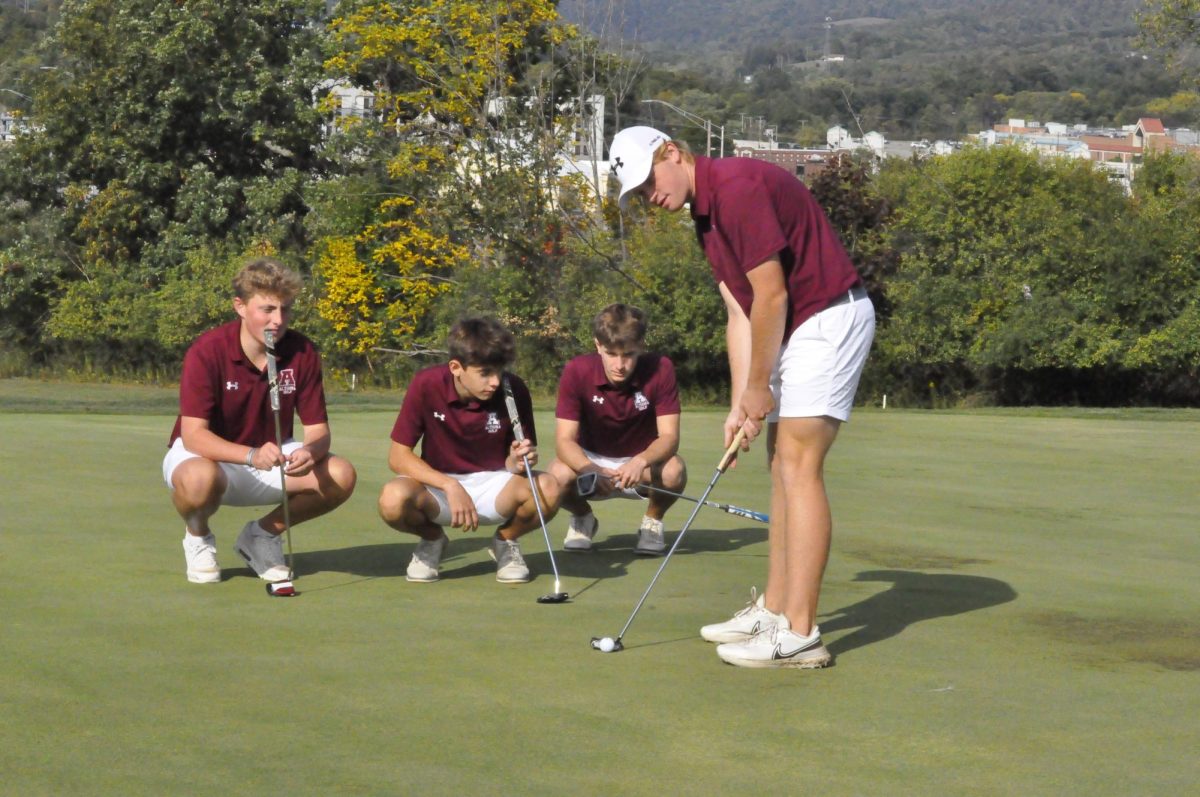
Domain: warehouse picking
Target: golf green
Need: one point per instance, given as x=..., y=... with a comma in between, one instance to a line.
x=1011, y=602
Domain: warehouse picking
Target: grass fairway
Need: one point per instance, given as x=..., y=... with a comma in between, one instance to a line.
x=1011, y=602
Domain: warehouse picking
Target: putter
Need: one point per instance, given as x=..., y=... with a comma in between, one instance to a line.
x=585, y=485
x=558, y=596
x=279, y=589
x=613, y=645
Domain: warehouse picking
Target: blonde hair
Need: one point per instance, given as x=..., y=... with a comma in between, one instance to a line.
x=266, y=276
x=685, y=151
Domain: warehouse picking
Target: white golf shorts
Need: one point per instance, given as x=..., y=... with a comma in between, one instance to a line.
x=247, y=486
x=483, y=487
x=819, y=367
x=612, y=463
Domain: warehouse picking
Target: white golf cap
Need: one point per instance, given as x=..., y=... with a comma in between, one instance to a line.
x=632, y=156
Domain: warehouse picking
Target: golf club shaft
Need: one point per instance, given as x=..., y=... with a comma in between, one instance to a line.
x=730, y=508
x=511, y=404
x=537, y=502
x=273, y=380
x=287, y=519
x=721, y=466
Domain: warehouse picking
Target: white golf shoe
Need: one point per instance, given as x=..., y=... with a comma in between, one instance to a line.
x=650, y=541
x=425, y=560
x=581, y=530
x=510, y=565
x=263, y=551
x=200, y=553
x=778, y=646
x=743, y=625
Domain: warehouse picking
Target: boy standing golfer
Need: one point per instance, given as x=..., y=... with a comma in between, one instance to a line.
x=799, y=329
x=470, y=471
x=618, y=418
x=223, y=450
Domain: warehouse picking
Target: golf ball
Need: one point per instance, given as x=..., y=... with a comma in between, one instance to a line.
x=607, y=644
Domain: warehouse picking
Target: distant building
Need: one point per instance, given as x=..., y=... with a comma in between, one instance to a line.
x=804, y=162
x=1118, y=151
x=10, y=125
x=808, y=162
x=344, y=100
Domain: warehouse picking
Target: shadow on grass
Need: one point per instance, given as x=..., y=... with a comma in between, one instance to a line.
x=609, y=559
x=612, y=554
x=913, y=597
x=367, y=561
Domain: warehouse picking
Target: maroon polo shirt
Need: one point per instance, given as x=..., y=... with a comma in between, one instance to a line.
x=222, y=386
x=617, y=420
x=747, y=211
x=459, y=435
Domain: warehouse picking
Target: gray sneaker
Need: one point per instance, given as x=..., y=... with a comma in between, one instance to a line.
x=581, y=530
x=425, y=560
x=650, y=540
x=263, y=551
x=510, y=565
x=200, y=553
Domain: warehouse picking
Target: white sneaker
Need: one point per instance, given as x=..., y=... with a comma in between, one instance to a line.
x=777, y=646
x=510, y=565
x=263, y=551
x=425, y=560
x=200, y=553
x=581, y=530
x=650, y=538
x=745, y=624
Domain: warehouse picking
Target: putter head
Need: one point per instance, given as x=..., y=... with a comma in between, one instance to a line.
x=553, y=597
x=598, y=643
x=585, y=483
x=282, y=589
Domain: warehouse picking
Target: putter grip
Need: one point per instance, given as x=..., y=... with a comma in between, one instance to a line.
x=511, y=404
x=731, y=451
x=272, y=368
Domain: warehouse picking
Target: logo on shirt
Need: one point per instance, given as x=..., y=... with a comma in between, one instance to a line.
x=493, y=424
x=231, y=385
x=597, y=399
x=640, y=401
x=441, y=416
x=287, y=380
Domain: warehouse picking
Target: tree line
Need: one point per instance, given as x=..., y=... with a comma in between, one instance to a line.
x=173, y=141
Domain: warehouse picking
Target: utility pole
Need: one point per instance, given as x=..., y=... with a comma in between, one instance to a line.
x=699, y=121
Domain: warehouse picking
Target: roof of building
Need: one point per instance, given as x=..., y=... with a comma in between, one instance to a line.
x=1152, y=126
x=1106, y=144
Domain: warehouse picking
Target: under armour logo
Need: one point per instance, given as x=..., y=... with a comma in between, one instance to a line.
x=441, y=416
x=618, y=163
x=597, y=399
x=231, y=385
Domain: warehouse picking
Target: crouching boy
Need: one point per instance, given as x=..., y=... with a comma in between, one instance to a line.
x=470, y=471
x=223, y=451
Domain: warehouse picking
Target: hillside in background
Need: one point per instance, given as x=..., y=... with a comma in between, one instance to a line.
x=734, y=25
x=911, y=68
